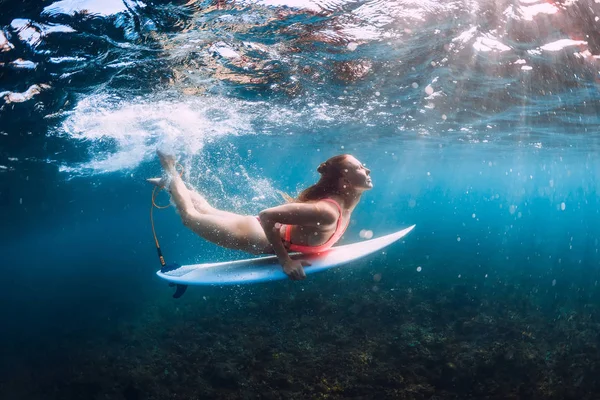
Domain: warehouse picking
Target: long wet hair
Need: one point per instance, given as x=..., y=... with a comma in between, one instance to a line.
x=331, y=172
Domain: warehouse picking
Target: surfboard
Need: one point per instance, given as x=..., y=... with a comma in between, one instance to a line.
x=264, y=269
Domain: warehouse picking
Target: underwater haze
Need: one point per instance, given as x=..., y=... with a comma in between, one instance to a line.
x=479, y=120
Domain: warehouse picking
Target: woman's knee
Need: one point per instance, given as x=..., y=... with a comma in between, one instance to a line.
x=189, y=218
x=203, y=207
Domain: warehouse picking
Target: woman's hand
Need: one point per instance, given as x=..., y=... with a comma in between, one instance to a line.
x=294, y=269
x=303, y=214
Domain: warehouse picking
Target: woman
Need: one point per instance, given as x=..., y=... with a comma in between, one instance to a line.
x=310, y=224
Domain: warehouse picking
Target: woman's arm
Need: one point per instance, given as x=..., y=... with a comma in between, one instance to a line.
x=306, y=214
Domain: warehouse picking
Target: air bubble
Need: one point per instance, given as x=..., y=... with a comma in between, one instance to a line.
x=365, y=234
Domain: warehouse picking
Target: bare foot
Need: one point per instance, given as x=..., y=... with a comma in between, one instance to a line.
x=166, y=160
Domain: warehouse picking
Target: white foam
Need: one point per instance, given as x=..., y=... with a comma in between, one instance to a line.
x=136, y=128
x=5, y=45
x=561, y=44
x=16, y=97
x=297, y=4
x=488, y=42
x=71, y=7
x=59, y=60
x=19, y=63
x=26, y=32
x=529, y=12
x=32, y=32
x=224, y=50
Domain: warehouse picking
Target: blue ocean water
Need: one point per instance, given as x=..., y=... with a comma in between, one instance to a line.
x=479, y=122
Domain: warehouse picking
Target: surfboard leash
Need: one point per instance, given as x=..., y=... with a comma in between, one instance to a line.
x=180, y=290
x=161, y=258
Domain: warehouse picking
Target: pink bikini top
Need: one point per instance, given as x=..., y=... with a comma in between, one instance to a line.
x=339, y=231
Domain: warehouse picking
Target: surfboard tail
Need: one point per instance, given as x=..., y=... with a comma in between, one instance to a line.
x=170, y=267
x=179, y=289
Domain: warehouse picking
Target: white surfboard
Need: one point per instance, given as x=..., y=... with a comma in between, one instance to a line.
x=265, y=269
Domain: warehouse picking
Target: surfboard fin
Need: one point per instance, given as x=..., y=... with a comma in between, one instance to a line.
x=179, y=291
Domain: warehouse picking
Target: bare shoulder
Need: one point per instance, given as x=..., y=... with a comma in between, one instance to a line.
x=313, y=213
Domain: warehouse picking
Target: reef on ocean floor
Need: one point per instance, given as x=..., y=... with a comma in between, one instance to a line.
x=333, y=341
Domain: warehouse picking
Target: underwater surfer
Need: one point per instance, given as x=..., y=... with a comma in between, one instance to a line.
x=310, y=224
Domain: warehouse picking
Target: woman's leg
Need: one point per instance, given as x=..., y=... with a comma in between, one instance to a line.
x=200, y=203
x=204, y=207
x=234, y=231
